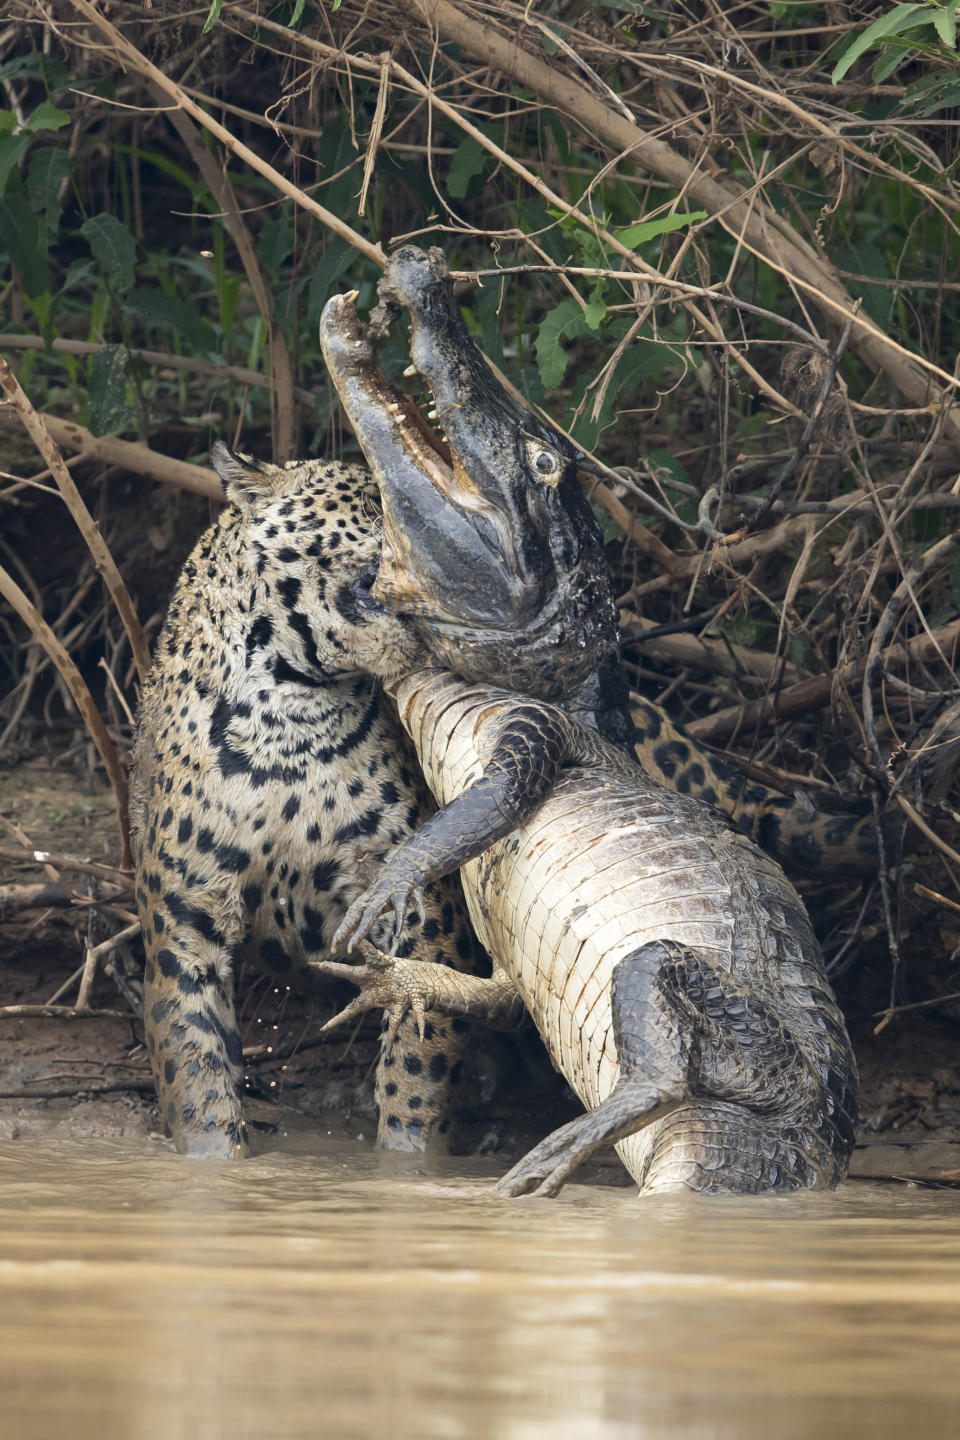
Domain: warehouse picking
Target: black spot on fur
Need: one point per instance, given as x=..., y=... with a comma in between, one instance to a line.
x=324, y=874
x=274, y=956
x=252, y=896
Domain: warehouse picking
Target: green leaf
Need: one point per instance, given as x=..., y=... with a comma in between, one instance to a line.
x=12, y=150
x=893, y=23
x=48, y=169
x=109, y=411
x=741, y=630
x=47, y=117
x=113, y=248
x=20, y=237
x=635, y=235
x=158, y=308
x=467, y=161
x=595, y=314
x=945, y=24
x=943, y=97
x=7, y=121
x=550, y=45
x=52, y=72
x=212, y=17
x=297, y=12
x=274, y=243
x=565, y=321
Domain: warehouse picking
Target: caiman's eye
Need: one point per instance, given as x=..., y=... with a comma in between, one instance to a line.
x=544, y=462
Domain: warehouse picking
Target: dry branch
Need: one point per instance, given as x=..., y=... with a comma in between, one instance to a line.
x=163, y=359
x=138, y=62
x=41, y=632
x=756, y=227
x=102, y=559
x=281, y=368
x=813, y=694
x=136, y=458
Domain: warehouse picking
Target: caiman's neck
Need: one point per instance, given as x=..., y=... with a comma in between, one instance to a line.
x=603, y=703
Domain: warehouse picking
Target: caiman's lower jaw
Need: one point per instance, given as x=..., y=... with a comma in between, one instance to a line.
x=449, y=553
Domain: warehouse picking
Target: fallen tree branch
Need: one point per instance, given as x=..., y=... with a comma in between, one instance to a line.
x=60, y=1012
x=111, y=873
x=716, y=657
x=131, y=455
x=163, y=359
x=814, y=693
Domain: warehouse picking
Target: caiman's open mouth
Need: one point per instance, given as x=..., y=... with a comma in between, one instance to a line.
x=487, y=539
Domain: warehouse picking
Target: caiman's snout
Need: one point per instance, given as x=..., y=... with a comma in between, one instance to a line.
x=487, y=538
x=448, y=552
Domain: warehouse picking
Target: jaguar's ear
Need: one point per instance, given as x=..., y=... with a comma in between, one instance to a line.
x=245, y=479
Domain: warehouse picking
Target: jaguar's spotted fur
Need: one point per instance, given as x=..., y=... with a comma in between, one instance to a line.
x=803, y=839
x=269, y=778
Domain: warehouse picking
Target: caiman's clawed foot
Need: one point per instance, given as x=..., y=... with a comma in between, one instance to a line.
x=548, y=1165
x=393, y=891
x=403, y=987
x=631, y=1104
x=398, y=987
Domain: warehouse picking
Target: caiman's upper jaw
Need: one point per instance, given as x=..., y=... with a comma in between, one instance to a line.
x=449, y=552
x=490, y=543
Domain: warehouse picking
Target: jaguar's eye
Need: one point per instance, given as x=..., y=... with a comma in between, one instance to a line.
x=544, y=462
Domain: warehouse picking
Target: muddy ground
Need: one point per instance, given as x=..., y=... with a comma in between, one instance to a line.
x=90, y=1077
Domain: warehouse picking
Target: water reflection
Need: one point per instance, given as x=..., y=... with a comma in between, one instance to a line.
x=345, y=1294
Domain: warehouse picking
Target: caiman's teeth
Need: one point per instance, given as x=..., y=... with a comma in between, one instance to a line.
x=431, y=414
x=394, y=407
x=410, y=371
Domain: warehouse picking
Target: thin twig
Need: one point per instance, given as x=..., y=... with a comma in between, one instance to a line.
x=85, y=703
x=104, y=561
x=803, y=444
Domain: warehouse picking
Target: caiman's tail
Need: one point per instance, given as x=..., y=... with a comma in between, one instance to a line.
x=714, y=1148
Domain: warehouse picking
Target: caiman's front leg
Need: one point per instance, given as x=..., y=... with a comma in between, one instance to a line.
x=533, y=744
x=402, y=987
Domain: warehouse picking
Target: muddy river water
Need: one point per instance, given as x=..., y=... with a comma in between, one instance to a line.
x=336, y=1293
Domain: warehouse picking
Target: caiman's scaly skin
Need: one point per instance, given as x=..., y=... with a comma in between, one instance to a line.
x=491, y=548
x=668, y=963
x=270, y=775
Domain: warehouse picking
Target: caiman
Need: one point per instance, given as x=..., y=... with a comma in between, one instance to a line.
x=669, y=964
x=490, y=544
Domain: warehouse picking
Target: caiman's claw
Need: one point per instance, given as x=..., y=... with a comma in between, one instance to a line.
x=547, y=1166
x=386, y=983
x=388, y=891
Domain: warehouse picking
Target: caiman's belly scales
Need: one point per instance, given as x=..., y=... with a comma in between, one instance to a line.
x=608, y=863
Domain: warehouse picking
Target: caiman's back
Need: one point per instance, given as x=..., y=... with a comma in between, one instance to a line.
x=723, y=1000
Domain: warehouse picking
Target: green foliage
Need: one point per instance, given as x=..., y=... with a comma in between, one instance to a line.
x=108, y=411
x=932, y=29
x=212, y=17
x=20, y=237
x=636, y=235
x=170, y=312
x=113, y=248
